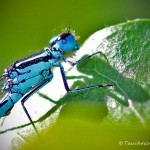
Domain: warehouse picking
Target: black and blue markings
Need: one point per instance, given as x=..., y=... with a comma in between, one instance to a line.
x=27, y=76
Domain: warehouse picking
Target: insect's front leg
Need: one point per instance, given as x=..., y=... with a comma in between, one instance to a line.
x=85, y=58
x=76, y=90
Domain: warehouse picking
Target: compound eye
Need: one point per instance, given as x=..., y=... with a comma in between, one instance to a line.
x=63, y=36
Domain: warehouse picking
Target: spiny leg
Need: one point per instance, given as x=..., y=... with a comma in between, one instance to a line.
x=26, y=96
x=81, y=89
x=87, y=57
x=24, y=108
x=75, y=63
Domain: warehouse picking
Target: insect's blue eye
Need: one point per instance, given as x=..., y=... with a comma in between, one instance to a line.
x=61, y=37
x=64, y=36
x=67, y=42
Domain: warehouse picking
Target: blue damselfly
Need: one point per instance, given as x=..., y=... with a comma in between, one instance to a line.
x=25, y=77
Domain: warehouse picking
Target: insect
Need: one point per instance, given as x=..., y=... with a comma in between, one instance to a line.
x=25, y=77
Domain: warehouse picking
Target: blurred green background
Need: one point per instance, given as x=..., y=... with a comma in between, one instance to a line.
x=27, y=26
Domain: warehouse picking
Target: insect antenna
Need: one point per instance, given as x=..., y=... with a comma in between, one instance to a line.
x=69, y=27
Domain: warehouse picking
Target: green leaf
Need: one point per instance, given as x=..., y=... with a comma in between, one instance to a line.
x=100, y=118
x=127, y=48
x=128, y=51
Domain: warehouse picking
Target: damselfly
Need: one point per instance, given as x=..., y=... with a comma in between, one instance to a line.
x=25, y=77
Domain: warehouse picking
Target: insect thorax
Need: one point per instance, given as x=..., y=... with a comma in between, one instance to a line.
x=26, y=73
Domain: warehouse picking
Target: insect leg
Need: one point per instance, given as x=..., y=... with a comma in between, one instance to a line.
x=85, y=58
x=26, y=96
x=81, y=89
